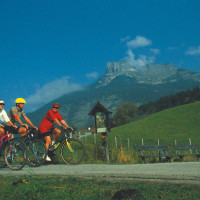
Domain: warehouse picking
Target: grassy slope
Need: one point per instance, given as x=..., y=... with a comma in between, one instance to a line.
x=51, y=188
x=179, y=123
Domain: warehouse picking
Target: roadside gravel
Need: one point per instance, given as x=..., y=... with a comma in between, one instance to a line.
x=182, y=172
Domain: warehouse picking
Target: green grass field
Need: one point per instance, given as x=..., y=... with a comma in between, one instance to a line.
x=179, y=124
x=69, y=188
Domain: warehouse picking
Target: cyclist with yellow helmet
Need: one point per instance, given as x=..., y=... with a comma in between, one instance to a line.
x=15, y=113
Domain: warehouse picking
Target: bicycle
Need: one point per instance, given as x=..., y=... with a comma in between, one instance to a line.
x=13, y=151
x=72, y=150
x=2, y=159
x=36, y=149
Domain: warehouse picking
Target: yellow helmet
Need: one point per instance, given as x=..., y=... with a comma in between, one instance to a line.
x=20, y=100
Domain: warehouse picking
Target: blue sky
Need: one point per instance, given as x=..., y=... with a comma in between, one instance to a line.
x=49, y=48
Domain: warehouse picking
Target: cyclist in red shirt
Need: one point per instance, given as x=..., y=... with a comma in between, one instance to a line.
x=46, y=127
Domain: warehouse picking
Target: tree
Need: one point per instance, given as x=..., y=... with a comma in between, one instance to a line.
x=125, y=113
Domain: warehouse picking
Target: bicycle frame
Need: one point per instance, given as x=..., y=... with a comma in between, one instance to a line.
x=4, y=140
x=72, y=151
x=65, y=136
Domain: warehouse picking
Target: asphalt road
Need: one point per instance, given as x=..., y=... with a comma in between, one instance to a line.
x=183, y=172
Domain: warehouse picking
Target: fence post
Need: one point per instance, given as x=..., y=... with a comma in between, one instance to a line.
x=142, y=141
x=190, y=142
x=128, y=143
x=175, y=144
x=158, y=142
x=116, y=142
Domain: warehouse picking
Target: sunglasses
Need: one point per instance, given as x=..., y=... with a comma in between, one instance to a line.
x=2, y=104
x=56, y=107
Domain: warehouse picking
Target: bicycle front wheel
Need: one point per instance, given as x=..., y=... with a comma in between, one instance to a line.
x=15, y=154
x=36, y=153
x=72, y=151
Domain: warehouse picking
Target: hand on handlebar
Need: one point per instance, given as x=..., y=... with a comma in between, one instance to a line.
x=36, y=128
x=25, y=126
x=70, y=128
x=65, y=128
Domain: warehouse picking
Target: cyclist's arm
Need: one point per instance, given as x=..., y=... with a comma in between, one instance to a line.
x=19, y=120
x=12, y=124
x=56, y=121
x=64, y=123
x=29, y=122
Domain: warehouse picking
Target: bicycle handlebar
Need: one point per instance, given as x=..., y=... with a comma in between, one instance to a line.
x=66, y=128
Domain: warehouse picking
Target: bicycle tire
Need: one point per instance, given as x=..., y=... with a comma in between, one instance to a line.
x=15, y=154
x=75, y=155
x=2, y=160
x=36, y=153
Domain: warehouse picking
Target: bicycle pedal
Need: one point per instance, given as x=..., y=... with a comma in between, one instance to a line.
x=54, y=146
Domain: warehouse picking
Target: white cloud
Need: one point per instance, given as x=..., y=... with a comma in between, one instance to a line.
x=92, y=75
x=193, y=51
x=125, y=38
x=139, y=41
x=155, y=51
x=49, y=92
x=137, y=63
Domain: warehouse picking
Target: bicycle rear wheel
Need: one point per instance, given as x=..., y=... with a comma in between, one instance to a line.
x=36, y=153
x=15, y=154
x=73, y=151
x=2, y=160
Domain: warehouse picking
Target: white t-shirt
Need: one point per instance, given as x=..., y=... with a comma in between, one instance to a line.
x=3, y=116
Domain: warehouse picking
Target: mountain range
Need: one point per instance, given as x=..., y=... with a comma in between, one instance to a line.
x=121, y=83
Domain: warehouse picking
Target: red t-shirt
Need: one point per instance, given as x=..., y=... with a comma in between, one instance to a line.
x=48, y=122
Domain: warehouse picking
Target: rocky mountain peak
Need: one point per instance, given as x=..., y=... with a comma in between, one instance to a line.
x=122, y=83
x=118, y=67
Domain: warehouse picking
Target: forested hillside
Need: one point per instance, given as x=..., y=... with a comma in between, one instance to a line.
x=181, y=98
x=127, y=112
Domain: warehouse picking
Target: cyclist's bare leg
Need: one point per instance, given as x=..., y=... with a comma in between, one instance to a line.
x=47, y=141
x=56, y=132
x=22, y=131
x=1, y=131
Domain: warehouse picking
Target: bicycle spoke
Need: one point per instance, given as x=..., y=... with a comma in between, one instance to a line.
x=36, y=153
x=15, y=154
x=73, y=151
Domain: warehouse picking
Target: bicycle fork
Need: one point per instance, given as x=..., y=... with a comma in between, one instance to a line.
x=69, y=146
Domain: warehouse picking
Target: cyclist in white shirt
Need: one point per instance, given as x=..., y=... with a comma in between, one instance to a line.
x=4, y=118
